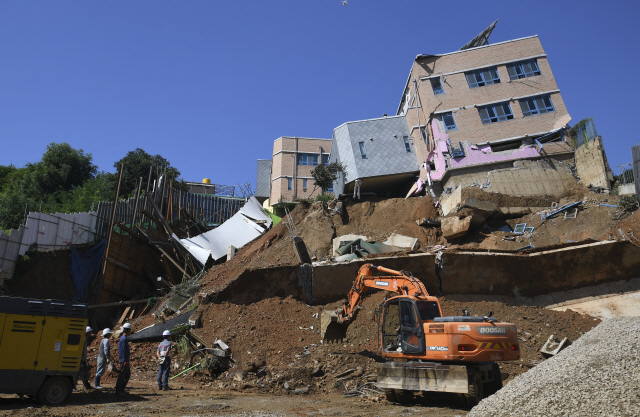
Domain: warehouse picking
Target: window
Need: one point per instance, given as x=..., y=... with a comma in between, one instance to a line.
x=363, y=150
x=407, y=144
x=289, y=183
x=495, y=113
x=325, y=159
x=330, y=189
x=436, y=84
x=482, y=77
x=536, y=105
x=448, y=120
x=307, y=159
x=304, y=184
x=523, y=69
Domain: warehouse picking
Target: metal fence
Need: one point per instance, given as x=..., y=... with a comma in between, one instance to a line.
x=210, y=209
x=625, y=174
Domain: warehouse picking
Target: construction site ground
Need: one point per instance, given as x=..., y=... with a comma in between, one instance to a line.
x=284, y=332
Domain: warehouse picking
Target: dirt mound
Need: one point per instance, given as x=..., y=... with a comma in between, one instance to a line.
x=375, y=218
x=284, y=333
x=593, y=222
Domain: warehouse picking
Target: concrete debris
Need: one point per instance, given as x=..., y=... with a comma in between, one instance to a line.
x=453, y=227
x=552, y=346
x=401, y=241
x=362, y=248
x=428, y=222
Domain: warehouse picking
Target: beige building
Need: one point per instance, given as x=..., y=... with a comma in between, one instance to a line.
x=290, y=168
x=503, y=95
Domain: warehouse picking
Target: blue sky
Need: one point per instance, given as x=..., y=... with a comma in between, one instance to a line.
x=210, y=85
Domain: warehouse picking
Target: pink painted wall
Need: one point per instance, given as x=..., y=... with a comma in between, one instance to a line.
x=474, y=154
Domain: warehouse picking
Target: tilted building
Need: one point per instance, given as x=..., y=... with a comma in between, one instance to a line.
x=470, y=115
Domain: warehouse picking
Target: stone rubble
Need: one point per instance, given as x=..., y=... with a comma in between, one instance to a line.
x=596, y=376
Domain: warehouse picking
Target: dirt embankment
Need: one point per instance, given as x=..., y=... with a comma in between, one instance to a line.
x=376, y=219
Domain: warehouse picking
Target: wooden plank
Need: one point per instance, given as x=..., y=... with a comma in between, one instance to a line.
x=133, y=313
x=118, y=303
x=123, y=265
x=126, y=311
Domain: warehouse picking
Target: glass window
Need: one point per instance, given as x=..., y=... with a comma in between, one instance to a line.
x=308, y=159
x=363, y=150
x=289, y=183
x=407, y=143
x=325, y=159
x=523, y=69
x=536, y=105
x=436, y=84
x=448, y=120
x=482, y=77
x=495, y=113
x=428, y=310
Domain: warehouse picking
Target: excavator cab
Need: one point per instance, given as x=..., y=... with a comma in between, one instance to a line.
x=402, y=330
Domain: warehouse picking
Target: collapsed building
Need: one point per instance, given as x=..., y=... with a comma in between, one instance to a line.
x=486, y=115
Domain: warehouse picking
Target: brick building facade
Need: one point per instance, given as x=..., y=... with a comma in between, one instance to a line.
x=502, y=95
x=291, y=164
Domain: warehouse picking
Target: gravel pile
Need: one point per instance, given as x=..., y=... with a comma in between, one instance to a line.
x=599, y=375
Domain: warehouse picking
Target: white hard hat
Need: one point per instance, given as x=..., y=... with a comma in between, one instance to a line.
x=89, y=329
x=106, y=331
x=166, y=333
x=126, y=326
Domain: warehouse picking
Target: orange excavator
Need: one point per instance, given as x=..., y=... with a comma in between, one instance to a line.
x=424, y=350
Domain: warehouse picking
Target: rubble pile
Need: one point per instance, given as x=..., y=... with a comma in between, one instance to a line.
x=597, y=375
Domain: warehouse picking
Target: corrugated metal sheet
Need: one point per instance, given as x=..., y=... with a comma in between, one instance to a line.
x=239, y=230
x=9, y=247
x=58, y=230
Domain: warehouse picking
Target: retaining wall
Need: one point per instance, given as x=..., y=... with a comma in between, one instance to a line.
x=490, y=275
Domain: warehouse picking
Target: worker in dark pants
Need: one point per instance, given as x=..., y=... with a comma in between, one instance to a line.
x=164, y=357
x=125, y=356
x=84, y=368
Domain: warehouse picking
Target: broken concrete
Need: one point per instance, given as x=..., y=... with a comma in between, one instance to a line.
x=454, y=226
x=401, y=241
x=591, y=165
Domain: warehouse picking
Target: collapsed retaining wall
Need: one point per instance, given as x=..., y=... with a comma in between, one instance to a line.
x=518, y=275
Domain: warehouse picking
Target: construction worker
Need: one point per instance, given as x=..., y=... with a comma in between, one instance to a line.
x=104, y=356
x=84, y=369
x=164, y=356
x=124, y=356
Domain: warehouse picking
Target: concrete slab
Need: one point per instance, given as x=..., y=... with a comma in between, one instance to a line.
x=401, y=241
x=453, y=227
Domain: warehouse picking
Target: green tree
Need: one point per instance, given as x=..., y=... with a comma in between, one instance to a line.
x=47, y=183
x=324, y=175
x=62, y=168
x=5, y=175
x=137, y=164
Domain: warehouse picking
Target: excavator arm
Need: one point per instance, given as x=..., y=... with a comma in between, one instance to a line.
x=400, y=282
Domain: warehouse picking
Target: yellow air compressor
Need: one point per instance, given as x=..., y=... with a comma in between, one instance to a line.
x=41, y=343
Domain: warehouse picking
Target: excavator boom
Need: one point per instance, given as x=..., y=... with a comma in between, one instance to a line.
x=334, y=323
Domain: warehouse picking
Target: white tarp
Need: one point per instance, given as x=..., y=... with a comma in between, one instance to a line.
x=247, y=224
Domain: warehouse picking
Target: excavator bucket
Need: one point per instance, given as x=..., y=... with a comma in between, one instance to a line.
x=330, y=329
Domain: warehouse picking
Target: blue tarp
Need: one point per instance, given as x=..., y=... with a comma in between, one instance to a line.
x=85, y=267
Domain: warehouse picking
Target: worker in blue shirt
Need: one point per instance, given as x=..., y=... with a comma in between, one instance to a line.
x=125, y=369
x=164, y=359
